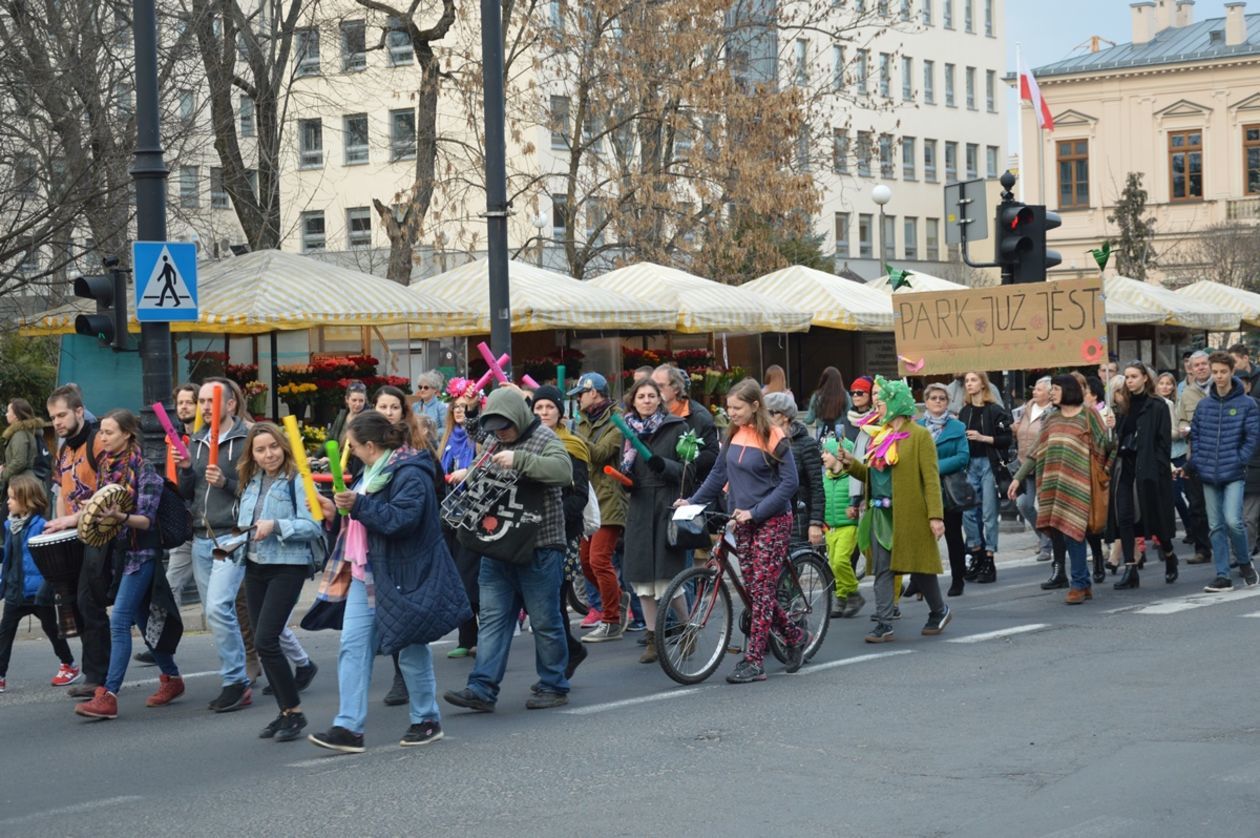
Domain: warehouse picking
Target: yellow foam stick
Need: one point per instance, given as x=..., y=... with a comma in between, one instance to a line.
x=345, y=459
x=304, y=467
x=198, y=420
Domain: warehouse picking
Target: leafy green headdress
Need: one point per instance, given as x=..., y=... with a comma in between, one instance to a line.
x=896, y=394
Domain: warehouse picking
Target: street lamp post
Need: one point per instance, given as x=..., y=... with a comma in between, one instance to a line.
x=881, y=195
x=540, y=224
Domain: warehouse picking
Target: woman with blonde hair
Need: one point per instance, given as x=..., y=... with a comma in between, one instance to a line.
x=988, y=436
x=776, y=380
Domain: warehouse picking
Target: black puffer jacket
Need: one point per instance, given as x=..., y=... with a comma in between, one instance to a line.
x=809, y=500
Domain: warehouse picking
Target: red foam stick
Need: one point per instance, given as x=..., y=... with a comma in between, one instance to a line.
x=619, y=477
x=217, y=408
x=322, y=478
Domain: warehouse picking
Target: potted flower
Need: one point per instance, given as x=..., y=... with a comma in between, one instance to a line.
x=256, y=398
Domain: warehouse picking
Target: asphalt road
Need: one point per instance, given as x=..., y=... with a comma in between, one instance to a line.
x=1132, y=715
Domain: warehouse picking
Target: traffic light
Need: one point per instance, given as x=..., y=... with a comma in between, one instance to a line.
x=1040, y=259
x=109, y=324
x=1012, y=241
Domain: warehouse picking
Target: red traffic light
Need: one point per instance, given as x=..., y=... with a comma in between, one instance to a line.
x=1015, y=217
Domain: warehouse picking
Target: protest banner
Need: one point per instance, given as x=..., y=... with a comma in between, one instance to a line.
x=1010, y=327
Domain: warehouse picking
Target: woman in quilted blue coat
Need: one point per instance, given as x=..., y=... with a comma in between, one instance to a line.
x=404, y=591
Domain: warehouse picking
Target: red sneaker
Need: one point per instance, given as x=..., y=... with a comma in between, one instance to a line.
x=1, y=685
x=66, y=675
x=592, y=619
x=172, y=688
x=104, y=705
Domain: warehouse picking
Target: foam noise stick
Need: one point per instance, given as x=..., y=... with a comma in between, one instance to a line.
x=303, y=466
x=560, y=377
x=619, y=477
x=171, y=437
x=620, y=422
x=345, y=459
x=171, y=473
x=334, y=466
x=495, y=366
x=529, y=382
x=217, y=411
x=485, y=379
x=199, y=421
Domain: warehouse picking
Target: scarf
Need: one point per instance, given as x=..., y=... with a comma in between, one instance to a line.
x=122, y=468
x=574, y=444
x=642, y=427
x=681, y=408
x=18, y=522
x=459, y=451
x=76, y=439
x=596, y=411
x=375, y=478
x=857, y=420
x=935, y=424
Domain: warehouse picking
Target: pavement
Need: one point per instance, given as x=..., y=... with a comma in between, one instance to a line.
x=1025, y=718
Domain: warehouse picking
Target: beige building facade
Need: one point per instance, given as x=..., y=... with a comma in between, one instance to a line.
x=1179, y=104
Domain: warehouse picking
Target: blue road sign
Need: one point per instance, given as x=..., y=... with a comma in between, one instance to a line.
x=166, y=281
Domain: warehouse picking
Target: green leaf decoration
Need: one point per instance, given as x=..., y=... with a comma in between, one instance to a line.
x=1102, y=255
x=688, y=447
x=897, y=278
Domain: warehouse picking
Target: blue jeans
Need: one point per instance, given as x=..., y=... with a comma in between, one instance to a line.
x=354, y=667
x=1026, y=504
x=504, y=589
x=218, y=582
x=1078, y=568
x=980, y=523
x=127, y=612
x=1224, y=503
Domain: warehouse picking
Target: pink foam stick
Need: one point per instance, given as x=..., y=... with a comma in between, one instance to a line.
x=494, y=365
x=176, y=442
x=529, y=382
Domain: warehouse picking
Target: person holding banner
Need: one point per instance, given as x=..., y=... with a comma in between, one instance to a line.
x=989, y=436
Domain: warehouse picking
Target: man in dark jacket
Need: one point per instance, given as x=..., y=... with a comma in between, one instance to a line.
x=529, y=448
x=211, y=491
x=1223, y=437
x=675, y=388
x=1244, y=370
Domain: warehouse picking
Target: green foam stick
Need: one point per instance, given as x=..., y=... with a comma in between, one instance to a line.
x=629, y=433
x=334, y=466
x=560, y=377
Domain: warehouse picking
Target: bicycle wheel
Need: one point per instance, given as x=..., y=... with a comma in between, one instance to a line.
x=575, y=596
x=690, y=649
x=809, y=605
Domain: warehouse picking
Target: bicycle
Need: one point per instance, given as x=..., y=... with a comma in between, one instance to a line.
x=691, y=648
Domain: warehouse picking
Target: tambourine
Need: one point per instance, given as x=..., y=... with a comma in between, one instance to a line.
x=95, y=527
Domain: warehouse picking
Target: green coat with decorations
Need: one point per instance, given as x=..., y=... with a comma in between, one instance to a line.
x=916, y=498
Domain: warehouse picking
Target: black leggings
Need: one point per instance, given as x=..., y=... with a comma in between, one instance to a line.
x=47, y=616
x=271, y=592
x=955, y=543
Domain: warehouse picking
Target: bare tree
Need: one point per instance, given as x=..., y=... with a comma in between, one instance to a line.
x=1228, y=253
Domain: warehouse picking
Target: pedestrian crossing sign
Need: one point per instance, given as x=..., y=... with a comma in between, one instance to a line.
x=166, y=281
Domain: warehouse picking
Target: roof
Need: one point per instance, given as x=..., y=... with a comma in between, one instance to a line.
x=1174, y=45
x=836, y=303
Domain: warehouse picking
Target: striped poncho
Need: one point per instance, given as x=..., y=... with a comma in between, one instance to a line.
x=1062, y=459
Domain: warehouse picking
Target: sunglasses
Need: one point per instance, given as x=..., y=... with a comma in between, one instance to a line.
x=859, y=393
x=424, y=387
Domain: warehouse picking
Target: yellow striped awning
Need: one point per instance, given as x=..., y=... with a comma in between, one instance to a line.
x=271, y=290
x=704, y=305
x=918, y=282
x=542, y=299
x=1244, y=303
x=836, y=302
x=1177, y=309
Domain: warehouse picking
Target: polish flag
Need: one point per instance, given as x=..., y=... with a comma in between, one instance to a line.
x=1029, y=90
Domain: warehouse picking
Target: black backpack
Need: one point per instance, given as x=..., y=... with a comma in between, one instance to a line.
x=42, y=467
x=174, y=521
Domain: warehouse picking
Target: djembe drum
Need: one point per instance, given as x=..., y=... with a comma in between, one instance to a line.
x=59, y=557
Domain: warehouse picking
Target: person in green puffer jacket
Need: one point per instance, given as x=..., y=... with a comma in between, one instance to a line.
x=841, y=520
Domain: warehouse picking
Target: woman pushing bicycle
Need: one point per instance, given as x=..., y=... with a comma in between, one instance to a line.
x=757, y=466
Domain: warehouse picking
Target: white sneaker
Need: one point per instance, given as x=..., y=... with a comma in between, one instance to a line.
x=604, y=632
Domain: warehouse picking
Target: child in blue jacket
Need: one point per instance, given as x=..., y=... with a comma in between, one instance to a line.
x=24, y=590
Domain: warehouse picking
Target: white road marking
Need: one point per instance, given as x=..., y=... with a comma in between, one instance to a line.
x=630, y=702
x=811, y=668
x=1175, y=605
x=74, y=809
x=993, y=635
x=1252, y=614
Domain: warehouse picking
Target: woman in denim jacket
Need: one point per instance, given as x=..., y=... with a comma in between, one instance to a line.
x=278, y=561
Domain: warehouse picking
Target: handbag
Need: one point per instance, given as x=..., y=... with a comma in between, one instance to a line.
x=1099, y=486
x=1001, y=475
x=957, y=492
x=509, y=532
x=689, y=535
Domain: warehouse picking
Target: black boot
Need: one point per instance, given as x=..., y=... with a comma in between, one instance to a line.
x=955, y=587
x=1170, y=567
x=1058, y=578
x=988, y=570
x=1100, y=570
x=973, y=569
x=1130, y=579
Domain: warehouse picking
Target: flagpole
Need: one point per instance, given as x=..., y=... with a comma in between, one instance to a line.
x=1041, y=167
x=1019, y=119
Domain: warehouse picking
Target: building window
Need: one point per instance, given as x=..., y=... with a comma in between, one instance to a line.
x=840, y=151
x=929, y=161
x=247, y=116
x=1251, y=158
x=560, y=122
x=30, y=257
x=991, y=161
x=949, y=86
x=188, y=193
x=970, y=84
x=25, y=175
x=559, y=216
x=990, y=91
x=864, y=149
x=951, y=162
x=885, y=75
x=905, y=10
x=988, y=18
x=802, y=148
x=907, y=79
x=908, y=158
x=865, y=225
x=218, y=191
x=887, y=169
x=802, y=62
x=398, y=42
x=973, y=161
x=556, y=13
x=969, y=23
x=306, y=51
x=310, y=143
x=402, y=134
x=1185, y=165
x=837, y=68
x=927, y=13
x=947, y=13
x=187, y=106
x=312, y=231
x=910, y=236
x=251, y=178
x=353, y=44
x=931, y=230
x=596, y=221
x=842, y=235
x=354, y=129
x=359, y=227
x=122, y=101
x=889, y=237
x=863, y=72
x=1072, y=158
x=929, y=82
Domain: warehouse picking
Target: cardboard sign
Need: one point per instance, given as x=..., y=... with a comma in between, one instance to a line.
x=1010, y=327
